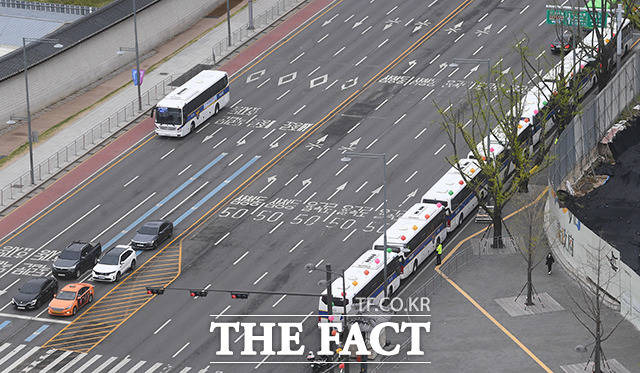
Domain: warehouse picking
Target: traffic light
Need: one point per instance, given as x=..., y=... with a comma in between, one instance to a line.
x=198, y=293
x=239, y=295
x=157, y=291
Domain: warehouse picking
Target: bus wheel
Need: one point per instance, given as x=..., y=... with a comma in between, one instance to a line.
x=415, y=265
x=216, y=110
x=390, y=290
x=461, y=219
x=193, y=126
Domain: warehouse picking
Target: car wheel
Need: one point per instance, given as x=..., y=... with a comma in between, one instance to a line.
x=77, y=273
x=117, y=277
x=90, y=298
x=74, y=311
x=133, y=265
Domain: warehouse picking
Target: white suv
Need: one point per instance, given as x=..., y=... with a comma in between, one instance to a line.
x=114, y=263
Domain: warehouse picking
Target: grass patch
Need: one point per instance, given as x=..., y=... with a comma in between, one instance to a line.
x=93, y=3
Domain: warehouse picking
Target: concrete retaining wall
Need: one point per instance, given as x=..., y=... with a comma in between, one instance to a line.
x=85, y=63
x=578, y=249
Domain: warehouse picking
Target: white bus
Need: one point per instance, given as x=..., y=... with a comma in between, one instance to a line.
x=453, y=192
x=415, y=235
x=363, y=279
x=191, y=104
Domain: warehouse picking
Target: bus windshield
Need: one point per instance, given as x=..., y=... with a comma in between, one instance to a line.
x=166, y=115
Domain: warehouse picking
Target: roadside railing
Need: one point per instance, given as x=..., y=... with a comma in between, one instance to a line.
x=81, y=145
x=48, y=7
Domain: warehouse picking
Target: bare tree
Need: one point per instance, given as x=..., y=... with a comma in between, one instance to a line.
x=599, y=272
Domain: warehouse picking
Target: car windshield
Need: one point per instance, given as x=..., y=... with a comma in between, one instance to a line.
x=30, y=288
x=110, y=259
x=148, y=230
x=66, y=295
x=166, y=115
x=69, y=254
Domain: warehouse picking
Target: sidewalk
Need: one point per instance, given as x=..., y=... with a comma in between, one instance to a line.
x=80, y=113
x=463, y=339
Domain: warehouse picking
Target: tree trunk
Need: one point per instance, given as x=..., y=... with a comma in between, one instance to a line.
x=597, y=368
x=529, y=301
x=523, y=187
x=497, y=227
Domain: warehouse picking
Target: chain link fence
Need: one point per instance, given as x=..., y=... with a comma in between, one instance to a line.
x=576, y=144
x=48, y=7
x=81, y=145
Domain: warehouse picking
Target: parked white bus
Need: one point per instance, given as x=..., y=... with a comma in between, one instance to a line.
x=415, y=235
x=191, y=104
x=363, y=279
x=453, y=192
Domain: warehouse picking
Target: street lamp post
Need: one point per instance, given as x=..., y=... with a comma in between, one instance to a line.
x=135, y=31
x=347, y=158
x=229, y=22
x=26, y=86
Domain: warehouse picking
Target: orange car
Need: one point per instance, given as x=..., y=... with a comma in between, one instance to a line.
x=70, y=299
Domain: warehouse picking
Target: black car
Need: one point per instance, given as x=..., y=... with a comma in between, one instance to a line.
x=565, y=41
x=34, y=293
x=76, y=259
x=151, y=234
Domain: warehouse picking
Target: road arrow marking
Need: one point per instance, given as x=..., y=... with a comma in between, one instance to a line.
x=338, y=190
x=506, y=71
x=207, y=138
x=359, y=22
x=305, y=184
x=274, y=144
x=270, y=180
x=242, y=140
x=390, y=23
x=373, y=193
x=329, y=20
x=351, y=146
x=485, y=31
x=350, y=83
x=457, y=27
x=419, y=25
x=409, y=196
x=411, y=65
x=473, y=70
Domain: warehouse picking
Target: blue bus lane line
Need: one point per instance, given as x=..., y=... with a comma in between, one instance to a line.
x=36, y=333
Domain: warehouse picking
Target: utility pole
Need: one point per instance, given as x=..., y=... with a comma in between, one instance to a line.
x=135, y=31
x=229, y=22
x=251, y=27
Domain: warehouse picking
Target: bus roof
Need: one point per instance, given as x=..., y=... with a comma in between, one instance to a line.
x=193, y=87
x=495, y=147
x=355, y=272
x=451, y=183
x=409, y=224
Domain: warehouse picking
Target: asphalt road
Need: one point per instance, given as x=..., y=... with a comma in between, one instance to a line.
x=363, y=77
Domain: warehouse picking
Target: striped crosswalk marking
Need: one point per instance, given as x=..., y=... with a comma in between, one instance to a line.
x=105, y=364
x=72, y=362
x=86, y=365
x=55, y=362
x=10, y=354
x=119, y=365
x=153, y=368
x=135, y=367
x=22, y=358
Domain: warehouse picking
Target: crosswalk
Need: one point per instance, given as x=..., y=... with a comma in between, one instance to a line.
x=34, y=359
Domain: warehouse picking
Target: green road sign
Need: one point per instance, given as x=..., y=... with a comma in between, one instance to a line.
x=573, y=17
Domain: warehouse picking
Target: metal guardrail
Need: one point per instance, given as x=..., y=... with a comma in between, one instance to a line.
x=81, y=145
x=48, y=7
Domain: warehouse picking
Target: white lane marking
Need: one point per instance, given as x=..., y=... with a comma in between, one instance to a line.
x=263, y=83
x=361, y=186
x=323, y=153
x=542, y=23
x=525, y=8
x=322, y=38
x=399, y=119
x=454, y=71
x=260, y=363
x=339, y=50
x=447, y=109
x=341, y=169
x=565, y=1
x=382, y=103
x=180, y=350
x=370, y=145
x=278, y=302
x=349, y=18
x=331, y=85
x=459, y=37
x=7, y=288
x=408, y=23
x=290, y=180
x=309, y=198
x=354, y=127
x=466, y=124
x=441, y=70
x=251, y=119
x=365, y=30
x=295, y=59
x=411, y=177
x=218, y=144
x=185, y=169
x=497, y=63
x=239, y=338
x=24, y=357
x=241, y=257
x=162, y=326
x=131, y=181
x=184, y=200
x=349, y=235
x=483, y=17
x=428, y=94
x=235, y=159
x=94, y=239
x=203, y=127
x=420, y=133
x=276, y=227
x=236, y=103
x=260, y=278
x=501, y=29
x=223, y=311
x=167, y=154
x=268, y=133
x=383, y=43
x=359, y=62
x=438, y=151
x=296, y=246
x=540, y=55
x=433, y=2
x=89, y=362
x=314, y=70
x=282, y=95
x=299, y=110
x=478, y=50
x=392, y=158
x=392, y=9
x=434, y=58
x=222, y=238
x=309, y=315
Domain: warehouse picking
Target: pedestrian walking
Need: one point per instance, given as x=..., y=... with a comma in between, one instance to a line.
x=439, y=254
x=550, y=261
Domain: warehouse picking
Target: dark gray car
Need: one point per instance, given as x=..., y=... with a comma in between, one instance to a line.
x=152, y=234
x=34, y=293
